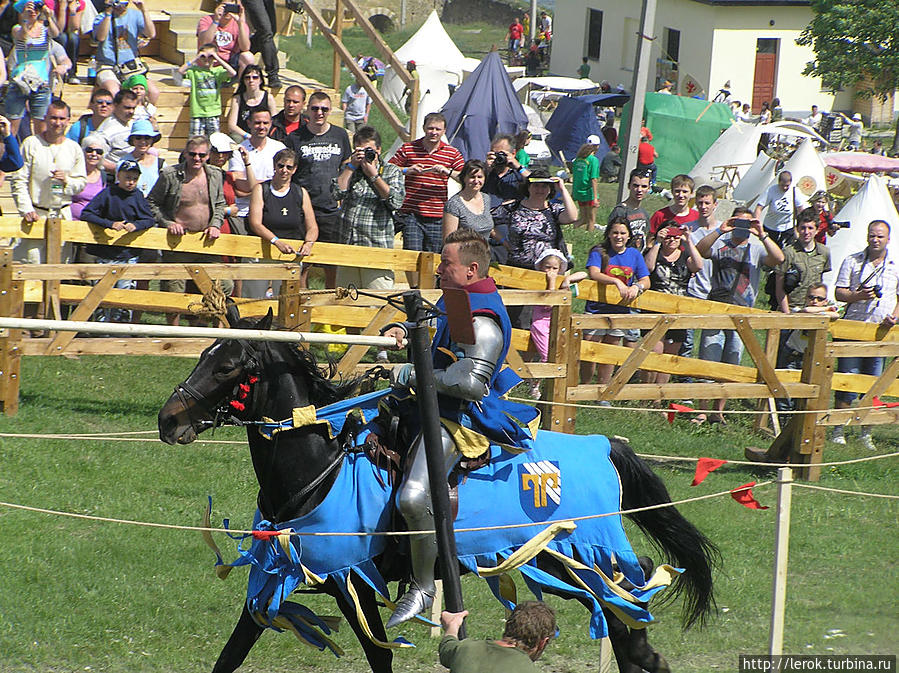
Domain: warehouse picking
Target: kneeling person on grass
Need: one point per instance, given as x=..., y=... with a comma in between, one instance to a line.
x=121, y=207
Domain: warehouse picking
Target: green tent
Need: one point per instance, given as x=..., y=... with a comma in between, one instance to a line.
x=677, y=136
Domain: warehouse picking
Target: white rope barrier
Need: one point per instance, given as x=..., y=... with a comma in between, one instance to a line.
x=528, y=524
x=170, y=331
x=846, y=492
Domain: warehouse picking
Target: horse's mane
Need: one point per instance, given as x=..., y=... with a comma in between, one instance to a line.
x=322, y=390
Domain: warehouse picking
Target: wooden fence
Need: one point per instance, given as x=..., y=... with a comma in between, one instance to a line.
x=52, y=285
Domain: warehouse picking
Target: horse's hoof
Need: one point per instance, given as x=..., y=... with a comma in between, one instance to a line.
x=413, y=602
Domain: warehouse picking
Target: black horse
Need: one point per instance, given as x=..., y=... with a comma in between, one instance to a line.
x=296, y=469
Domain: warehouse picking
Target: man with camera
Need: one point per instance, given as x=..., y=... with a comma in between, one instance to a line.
x=371, y=192
x=737, y=260
x=228, y=30
x=503, y=182
x=805, y=263
x=118, y=30
x=867, y=282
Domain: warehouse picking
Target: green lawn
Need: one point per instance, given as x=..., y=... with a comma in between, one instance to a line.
x=80, y=595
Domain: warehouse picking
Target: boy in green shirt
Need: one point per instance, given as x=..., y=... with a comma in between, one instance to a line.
x=207, y=74
x=585, y=182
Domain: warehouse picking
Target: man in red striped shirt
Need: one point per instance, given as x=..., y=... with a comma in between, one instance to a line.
x=428, y=163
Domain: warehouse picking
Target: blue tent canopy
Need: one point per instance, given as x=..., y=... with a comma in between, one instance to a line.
x=483, y=106
x=573, y=120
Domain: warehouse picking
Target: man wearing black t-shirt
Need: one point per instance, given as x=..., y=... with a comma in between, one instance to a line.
x=321, y=150
x=631, y=208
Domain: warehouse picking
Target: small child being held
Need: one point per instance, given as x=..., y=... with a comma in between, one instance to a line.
x=145, y=109
x=207, y=74
x=121, y=207
x=553, y=263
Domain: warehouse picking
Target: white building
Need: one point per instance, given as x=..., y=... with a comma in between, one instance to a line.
x=750, y=43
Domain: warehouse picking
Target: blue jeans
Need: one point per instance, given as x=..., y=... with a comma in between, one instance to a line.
x=71, y=42
x=37, y=101
x=856, y=365
x=720, y=345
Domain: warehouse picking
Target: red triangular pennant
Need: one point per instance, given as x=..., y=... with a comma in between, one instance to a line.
x=677, y=409
x=743, y=495
x=703, y=467
x=878, y=403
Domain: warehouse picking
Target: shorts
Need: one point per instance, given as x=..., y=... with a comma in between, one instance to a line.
x=37, y=101
x=365, y=279
x=328, y=227
x=588, y=204
x=204, y=126
x=422, y=233
x=630, y=335
x=105, y=73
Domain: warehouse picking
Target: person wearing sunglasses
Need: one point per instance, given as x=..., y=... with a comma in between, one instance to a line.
x=94, y=147
x=868, y=282
x=189, y=197
x=322, y=149
x=100, y=107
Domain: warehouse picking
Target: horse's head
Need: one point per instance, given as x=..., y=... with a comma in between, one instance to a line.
x=212, y=385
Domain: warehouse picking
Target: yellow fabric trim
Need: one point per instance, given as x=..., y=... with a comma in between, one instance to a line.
x=447, y=351
x=221, y=571
x=470, y=443
x=529, y=549
x=363, y=622
x=303, y=416
x=507, y=588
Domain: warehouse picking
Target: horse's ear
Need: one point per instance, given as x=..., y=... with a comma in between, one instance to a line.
x=266, y=321
x=232, y=314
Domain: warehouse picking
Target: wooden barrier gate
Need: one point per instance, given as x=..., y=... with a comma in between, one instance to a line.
x=801, y=440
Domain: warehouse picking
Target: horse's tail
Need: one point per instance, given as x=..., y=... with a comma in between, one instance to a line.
x=681, y=542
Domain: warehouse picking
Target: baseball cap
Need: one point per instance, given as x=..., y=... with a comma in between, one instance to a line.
x=221, y=142
x=128, y=165
x=593, y=139
x=857, y=116
x=134, y=80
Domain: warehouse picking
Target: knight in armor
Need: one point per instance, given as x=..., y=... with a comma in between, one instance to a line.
x=470, y=384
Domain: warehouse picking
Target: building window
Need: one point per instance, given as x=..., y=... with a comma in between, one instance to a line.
x=672, y=45
x=594, y=34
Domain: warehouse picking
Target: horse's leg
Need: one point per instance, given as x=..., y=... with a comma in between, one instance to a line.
x=380, y=659
x=641, y=653
x=242, y=639
x=619, y=636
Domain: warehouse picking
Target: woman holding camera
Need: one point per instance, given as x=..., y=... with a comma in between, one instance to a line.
x=671, y=260
x=29, y=78
x=533, y=223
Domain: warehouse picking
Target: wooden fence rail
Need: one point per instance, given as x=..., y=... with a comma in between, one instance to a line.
x=759, y=330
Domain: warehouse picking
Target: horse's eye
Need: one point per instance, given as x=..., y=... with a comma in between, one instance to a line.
x=226, y=371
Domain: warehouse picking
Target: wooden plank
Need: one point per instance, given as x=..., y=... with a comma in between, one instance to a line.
x=289, y=303
x=162, y=271
x=387, y=53
x=636, y=357
x=11, y=304
x=559, y=338
x=679, y=391
x=53, y=255
x=59, y=340
x=852, y=416
x=689, y=321
x=850, y=349
x=348, y=60
x=133, y=346
x=548, y=370
x=517, y=364
x=808, y=435
x=880, y=386
x=765, y=369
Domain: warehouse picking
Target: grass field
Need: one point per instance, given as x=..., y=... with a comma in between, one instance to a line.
x=79, y=595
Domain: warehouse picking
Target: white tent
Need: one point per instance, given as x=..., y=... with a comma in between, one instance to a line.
x=438, y=61
x=738, y=147
x=871, y=202
x=806, y=167
x=755, y=180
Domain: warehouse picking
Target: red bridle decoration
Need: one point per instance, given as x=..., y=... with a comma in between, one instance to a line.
x=243, y=391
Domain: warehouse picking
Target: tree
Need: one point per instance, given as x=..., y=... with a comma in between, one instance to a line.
x=856, y=45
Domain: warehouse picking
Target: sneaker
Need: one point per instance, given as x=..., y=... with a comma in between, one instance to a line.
x=605, y=403
x=73, y=80
x=837, y=437
x=866, y=441
x=535, y=391
x=274, y=82
x=382, y=356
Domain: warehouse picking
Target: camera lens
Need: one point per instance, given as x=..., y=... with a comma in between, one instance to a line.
x=370, y=154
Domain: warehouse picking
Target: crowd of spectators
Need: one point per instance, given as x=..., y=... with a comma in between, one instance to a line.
x=288, y=175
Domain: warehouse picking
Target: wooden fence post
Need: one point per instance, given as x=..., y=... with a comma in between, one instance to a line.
x=338, y=34
x=52, y=255
x=808, y=437
x=427, y=270
x=575, y=336
x=11, y=305
x=289, y=302
x=560, y=417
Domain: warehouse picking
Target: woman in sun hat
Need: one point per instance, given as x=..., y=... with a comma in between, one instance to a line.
x=142, y=138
